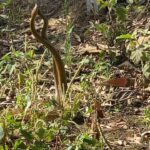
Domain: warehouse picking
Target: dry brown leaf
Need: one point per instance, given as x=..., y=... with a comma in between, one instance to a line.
x=117, y=82
x=98, y=108
x=88, y=49
x=52, y=115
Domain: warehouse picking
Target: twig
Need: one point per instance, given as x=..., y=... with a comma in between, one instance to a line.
x=103, y=136
x=69, y=87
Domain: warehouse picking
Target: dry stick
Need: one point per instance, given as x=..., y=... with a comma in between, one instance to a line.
x=103, y=136
x=59, y=70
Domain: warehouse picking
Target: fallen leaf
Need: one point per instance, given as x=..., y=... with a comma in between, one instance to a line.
x=98, y=108
x=118, y=82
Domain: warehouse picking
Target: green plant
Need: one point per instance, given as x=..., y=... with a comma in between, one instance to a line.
x=118, y=33
x=66, y=7
x=147, y=117
x=5, y=3
x=85, y=141
x=68, y=49
x=10, y=64
x=13, y=12
x=117, y=21
x=103, y=66
x=138, y=49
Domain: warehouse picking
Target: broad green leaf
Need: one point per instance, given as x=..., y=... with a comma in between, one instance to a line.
x=27, y=134
x=41, y=133
x=19, y=145
x=146, y=70
x=85, y=61
x=121, y=13
x=146, y=56
x=6, y=57
x=146, y=46
x=19, y=54
x=124, y=37
x=113, y=2
x=102, y=28
x=104, y=5
x=30, y=53
x=137, y=55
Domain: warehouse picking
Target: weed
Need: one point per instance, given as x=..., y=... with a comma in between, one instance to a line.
x=147, y=117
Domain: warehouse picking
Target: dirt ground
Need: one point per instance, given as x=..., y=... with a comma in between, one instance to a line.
x=124, y=107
